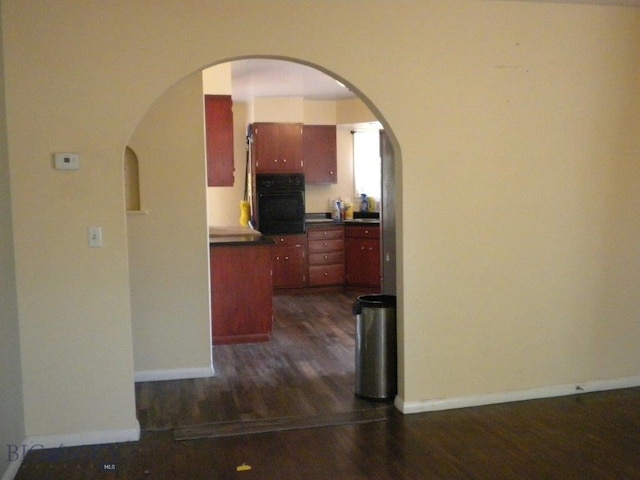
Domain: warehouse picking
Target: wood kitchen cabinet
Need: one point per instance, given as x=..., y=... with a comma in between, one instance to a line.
x=362, y=251
x=289, y=261
x=277, y=147
x=241, y=293
x=218, y=114
x=325, y=246
x=320, y=154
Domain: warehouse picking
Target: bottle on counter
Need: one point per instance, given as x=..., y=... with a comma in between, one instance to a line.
x=336, y=210
x=364, y=203
x=347, y=208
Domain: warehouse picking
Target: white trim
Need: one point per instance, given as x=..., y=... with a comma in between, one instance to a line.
x=515, y=396
x=174, y=374
x=84, y=438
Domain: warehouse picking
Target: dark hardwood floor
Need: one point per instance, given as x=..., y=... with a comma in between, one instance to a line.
x=306, y=369
x=587, y=436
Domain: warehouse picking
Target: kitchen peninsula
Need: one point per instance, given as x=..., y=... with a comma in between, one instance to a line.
x=241, y=285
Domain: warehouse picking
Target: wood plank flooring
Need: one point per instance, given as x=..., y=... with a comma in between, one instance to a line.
x=308, y=373
x=593, y=436
x=306, y=369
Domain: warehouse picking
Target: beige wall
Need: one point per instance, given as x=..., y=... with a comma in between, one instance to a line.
x=11, y=411
x=515, y=125
x=353, y=111
x=168, y=243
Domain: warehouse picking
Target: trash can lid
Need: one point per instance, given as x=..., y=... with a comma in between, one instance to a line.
x=377, y=301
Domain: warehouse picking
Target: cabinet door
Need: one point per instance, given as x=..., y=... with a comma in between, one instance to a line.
x=290, y=148
x=362, y=262
x=320, y=154
x=277, y=147
x=373, y=271
x=288, y=266
x=266, y=147
x=219, y=140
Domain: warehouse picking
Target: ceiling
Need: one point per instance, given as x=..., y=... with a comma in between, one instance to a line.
x=262, y=77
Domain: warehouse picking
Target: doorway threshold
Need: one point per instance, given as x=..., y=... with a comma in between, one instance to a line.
x=250, y=427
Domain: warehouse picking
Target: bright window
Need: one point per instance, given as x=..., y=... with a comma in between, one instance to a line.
x=366, y=162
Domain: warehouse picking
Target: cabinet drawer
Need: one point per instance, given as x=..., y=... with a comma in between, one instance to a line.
x=326, y=275
x=289, y=240
x=329, y=258
x=362, y=231
x=325, y=233
x=319, y=246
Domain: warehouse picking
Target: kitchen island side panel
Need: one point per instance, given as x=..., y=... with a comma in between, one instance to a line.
x=241, y=293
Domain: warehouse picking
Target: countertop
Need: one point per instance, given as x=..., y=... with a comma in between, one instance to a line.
x=325, y=219
x=237, y=236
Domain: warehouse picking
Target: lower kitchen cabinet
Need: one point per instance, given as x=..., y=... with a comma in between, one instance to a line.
x=362, y=250
x=289, y=261
x=326, y=255
x=241, y=294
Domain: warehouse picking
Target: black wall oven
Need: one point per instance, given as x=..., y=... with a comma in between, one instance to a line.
x=280, y=203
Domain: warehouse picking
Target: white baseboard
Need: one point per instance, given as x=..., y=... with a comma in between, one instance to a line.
x=515, y=396
x=174, y=374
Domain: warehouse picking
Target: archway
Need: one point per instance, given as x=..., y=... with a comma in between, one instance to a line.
x=169, y=220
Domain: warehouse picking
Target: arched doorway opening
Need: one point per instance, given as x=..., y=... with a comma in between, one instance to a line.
x=155, y=144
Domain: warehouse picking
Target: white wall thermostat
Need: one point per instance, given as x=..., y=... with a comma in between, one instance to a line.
x=67, y=161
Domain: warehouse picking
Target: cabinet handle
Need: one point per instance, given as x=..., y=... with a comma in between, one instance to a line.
x=326, y=257
x=286, y=258
x=325, y=244
x=284, y=160
x=326, y=274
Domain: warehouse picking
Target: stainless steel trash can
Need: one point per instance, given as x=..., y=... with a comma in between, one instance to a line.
x=376, y=347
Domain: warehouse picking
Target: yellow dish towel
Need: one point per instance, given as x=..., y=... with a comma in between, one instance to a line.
x=245, y=213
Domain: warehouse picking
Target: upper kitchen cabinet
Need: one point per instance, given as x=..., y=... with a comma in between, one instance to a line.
x=320, y=154
x=218, y=115
x=277, y=147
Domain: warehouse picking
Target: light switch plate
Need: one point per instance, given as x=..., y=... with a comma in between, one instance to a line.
x=95, y=237
x=67, y=161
